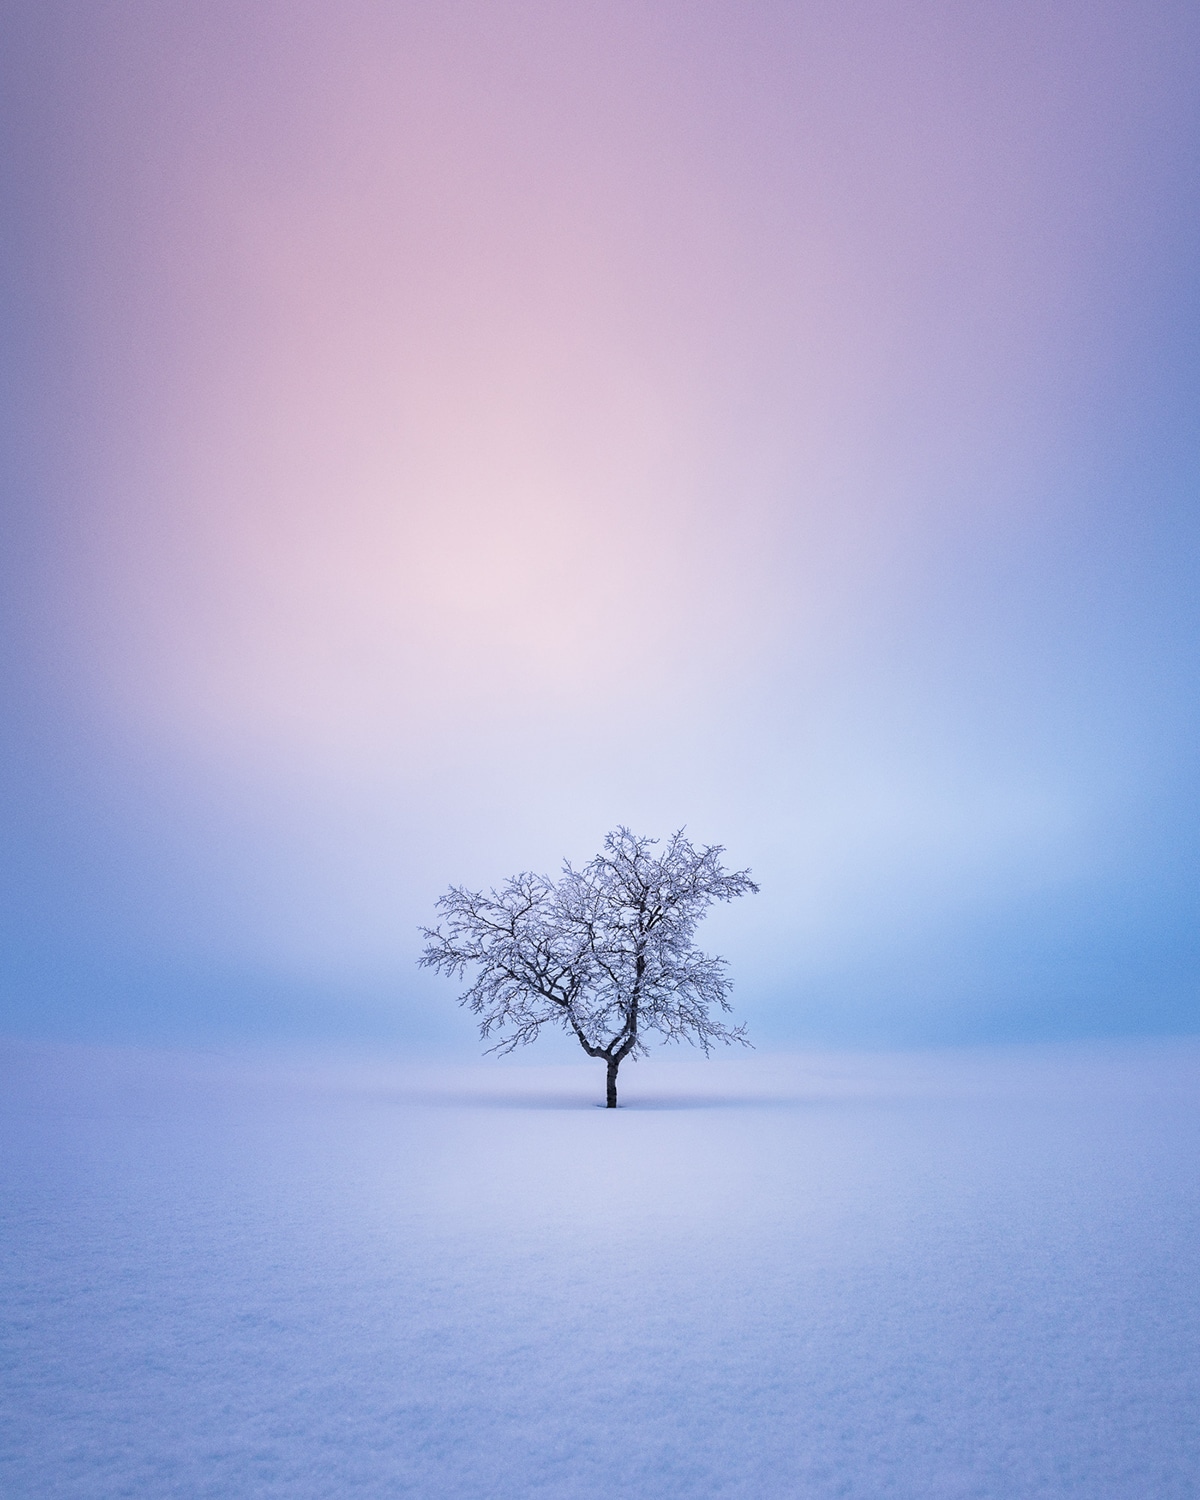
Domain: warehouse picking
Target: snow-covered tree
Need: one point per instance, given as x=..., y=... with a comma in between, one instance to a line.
x=606, y=952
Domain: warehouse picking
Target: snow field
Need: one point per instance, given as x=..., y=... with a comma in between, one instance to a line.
x=966, y=1275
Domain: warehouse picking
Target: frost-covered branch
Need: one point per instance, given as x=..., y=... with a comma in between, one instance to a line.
x=607, y=951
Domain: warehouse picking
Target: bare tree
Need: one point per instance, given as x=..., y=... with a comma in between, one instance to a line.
x=606, y=952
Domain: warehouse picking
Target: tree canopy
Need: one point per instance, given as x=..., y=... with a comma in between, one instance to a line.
x=606, y=951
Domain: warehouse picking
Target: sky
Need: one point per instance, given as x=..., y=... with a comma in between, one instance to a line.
x=435, y=434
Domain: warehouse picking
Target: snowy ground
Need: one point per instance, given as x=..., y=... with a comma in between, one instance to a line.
x=917, y=1276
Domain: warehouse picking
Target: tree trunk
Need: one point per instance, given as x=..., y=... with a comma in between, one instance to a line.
x=612, y=1083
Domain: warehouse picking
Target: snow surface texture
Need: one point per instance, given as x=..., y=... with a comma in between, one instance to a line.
x=923, y=1276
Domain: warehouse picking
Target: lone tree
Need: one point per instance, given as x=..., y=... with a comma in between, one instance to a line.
x=607, y=952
